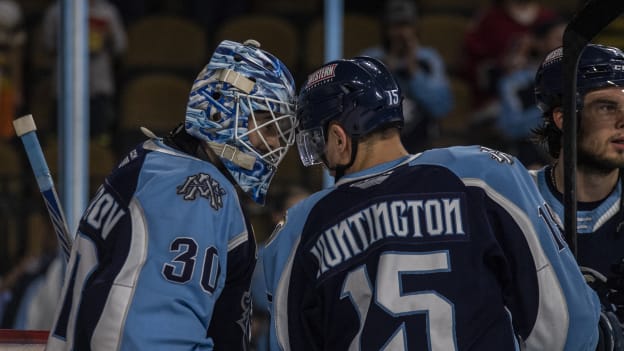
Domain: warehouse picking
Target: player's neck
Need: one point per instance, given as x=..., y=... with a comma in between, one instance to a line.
x=590, y=186
x=380, y=151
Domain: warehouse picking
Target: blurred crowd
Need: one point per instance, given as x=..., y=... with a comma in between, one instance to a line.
x=466, y=72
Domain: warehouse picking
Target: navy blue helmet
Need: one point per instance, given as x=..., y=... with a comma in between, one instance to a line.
x=360, y=94
x=599, y=67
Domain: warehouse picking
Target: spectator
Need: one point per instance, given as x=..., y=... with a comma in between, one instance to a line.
x=12, y=39
x=420, y=71
x=107, y=40
x=519, y=113
x=497, y=34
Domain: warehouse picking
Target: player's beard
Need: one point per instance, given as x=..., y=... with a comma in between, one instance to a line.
x=592, y=161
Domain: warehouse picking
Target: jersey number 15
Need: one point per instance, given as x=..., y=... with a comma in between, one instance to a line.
x=389, y=295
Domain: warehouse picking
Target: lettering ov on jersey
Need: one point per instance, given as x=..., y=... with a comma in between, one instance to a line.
x=104, y=213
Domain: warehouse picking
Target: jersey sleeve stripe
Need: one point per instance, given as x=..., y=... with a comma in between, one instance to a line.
x=109, y=328
x=280, y=300
x=238, y=240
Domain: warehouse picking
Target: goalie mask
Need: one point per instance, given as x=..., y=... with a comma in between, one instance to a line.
x=242, y=105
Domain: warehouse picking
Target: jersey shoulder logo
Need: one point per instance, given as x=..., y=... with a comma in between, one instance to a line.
x=498, y=155
x=129, y=157
x=205, y=186
x=367, y=183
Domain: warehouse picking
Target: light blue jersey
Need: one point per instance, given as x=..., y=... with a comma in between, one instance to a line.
x=600, y=240
x=162, y=260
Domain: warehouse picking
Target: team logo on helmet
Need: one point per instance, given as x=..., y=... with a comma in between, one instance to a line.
x=555, y=55
x=322, y=74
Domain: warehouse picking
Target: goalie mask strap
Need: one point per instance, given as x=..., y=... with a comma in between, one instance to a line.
x=233, y=154
x=236, y=79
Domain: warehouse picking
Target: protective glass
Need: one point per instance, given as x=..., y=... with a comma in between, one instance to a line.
x=311, y=145
x=270, y=127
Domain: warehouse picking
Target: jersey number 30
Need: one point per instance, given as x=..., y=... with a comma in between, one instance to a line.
x=389, y=295
x=183, y=265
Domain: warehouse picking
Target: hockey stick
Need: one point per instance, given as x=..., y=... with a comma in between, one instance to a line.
x=26, y=130
x=594, y=16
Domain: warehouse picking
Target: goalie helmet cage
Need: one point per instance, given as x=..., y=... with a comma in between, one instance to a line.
x=22, y=340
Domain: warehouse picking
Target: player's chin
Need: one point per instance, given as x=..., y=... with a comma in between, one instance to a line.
x=616, y=157
x=605, y=159
x=617, y=161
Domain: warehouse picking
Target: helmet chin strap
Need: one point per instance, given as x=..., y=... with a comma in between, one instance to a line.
x=341, y=169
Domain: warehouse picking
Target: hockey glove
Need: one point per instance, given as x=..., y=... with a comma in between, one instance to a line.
x=611, y=337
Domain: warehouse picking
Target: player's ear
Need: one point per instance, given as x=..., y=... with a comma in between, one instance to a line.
x=557, y=116
x=338, y=135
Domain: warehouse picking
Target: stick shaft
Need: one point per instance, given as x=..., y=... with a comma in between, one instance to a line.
x=584, y=26
x=26, y=130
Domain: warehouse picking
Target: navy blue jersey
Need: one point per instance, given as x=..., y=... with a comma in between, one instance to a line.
x=598, y=243
x=451, y=249
x=162, y=260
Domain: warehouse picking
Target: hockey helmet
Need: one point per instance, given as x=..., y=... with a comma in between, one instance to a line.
x=360, y=94
x=599, y=67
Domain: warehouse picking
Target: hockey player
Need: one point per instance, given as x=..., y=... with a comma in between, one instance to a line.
x=600, y=107
x=600, y=152
x=451, y=249
x=163, y=256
